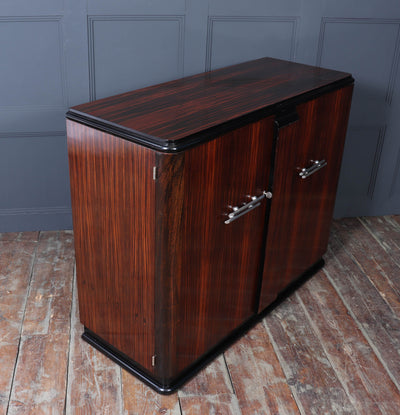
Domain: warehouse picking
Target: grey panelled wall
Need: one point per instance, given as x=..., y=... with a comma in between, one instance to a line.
x=58, y=53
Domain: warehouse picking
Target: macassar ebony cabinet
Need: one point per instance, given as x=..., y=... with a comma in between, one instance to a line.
x=196, y=203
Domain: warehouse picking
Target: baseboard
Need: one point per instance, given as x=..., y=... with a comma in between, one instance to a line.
x=35, y=219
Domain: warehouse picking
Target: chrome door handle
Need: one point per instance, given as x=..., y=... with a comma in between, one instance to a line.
x=255, y=201
x=317, y=165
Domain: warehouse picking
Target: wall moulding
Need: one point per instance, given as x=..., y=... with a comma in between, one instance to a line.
x=62, y=64
x=91, y=21
x=28, y=134
x=294, y=20
x=365, y=21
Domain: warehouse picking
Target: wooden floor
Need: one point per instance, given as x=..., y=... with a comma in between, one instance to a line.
x=333, y=347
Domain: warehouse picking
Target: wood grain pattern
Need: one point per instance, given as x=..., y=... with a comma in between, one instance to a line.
x=94, y=381
x=49, y=302
x=315, y=385
x=19, y=236
x=341, y=324
x=257, y=376
x=210, y=392
x=40, y=375
x=378, y=320
x=301, y=209
x=386, y=231
x=177, y=109
x=354, y=361
x=382, y=270
x=162, y=278
x=113, y=199
x=139, y=399
x=170, y=190
x=396, y=218
x=215, y=266
x=16, y=262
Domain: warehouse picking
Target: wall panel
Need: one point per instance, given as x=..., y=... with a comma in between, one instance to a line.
x=233, y=39
x=32, y=67
x=129, y=52
x=59, y=53
x=32, y=169
x=345, y=44
x=137, y=7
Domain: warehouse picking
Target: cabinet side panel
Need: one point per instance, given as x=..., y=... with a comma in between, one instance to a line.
x=302, y=209
x=113, y=202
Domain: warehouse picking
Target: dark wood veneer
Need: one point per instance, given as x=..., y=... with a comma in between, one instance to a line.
x=301, y=209
x=114, y=229
x=167, y=115
x=164, y=283
x=214, y=268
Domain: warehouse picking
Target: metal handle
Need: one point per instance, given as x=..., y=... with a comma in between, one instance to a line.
x=247, y=207
x=306, y=172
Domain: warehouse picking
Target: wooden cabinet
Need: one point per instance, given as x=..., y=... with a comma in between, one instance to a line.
x=196, y=203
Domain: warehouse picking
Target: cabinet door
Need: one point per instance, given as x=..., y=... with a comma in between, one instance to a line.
x=301, y=208
x=211, y=273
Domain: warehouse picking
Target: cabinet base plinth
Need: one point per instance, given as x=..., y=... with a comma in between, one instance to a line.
x=125, y=362
x=170, y=387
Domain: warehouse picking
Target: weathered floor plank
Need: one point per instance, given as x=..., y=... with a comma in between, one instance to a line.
x=41, y=371
x=139, y=399
x=210, y=392
x=16, y=261
x=257, y=376
x=386, y=231
x=48, y=306
x=19, y=236
x=309, y=373
x=372, y=260
x=379, y=322
x=332, y=347
x=94, y=381
x=362, y=375
x=395, y=218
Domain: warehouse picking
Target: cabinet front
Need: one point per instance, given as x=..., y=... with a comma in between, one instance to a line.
x=307, y=163
x=220, y=239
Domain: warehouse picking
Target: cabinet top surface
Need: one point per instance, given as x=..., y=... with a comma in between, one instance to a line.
x=167, y=115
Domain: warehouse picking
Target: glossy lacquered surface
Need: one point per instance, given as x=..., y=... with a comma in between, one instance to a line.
x=114, y=229
x=164, y=282
x=208, y=270
x=169, y=114
x=301, y=209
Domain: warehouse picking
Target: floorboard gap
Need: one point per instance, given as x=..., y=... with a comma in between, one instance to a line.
x=34, y=260
x=229, y=374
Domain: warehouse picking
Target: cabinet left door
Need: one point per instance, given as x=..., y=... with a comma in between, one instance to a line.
x=113, y=202
x=210, y=269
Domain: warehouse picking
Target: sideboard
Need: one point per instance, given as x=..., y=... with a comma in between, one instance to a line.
x=196, y=203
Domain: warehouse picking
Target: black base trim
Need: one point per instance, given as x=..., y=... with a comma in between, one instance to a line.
x=291, y=288
x=171, y=386
x=124, y=361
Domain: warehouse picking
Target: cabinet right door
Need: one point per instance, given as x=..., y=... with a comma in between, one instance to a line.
x=307, y=164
